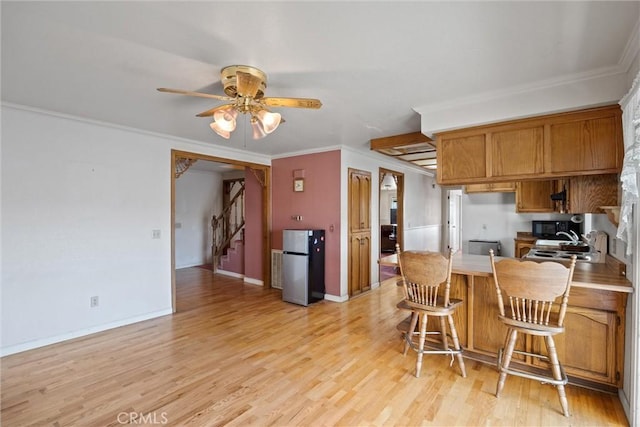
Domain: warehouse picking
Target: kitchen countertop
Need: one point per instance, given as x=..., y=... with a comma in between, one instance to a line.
x=585, y=275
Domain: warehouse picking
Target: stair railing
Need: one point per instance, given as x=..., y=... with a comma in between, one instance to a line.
x=226, y=226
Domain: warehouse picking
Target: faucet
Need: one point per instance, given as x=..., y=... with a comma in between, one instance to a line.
x=574, y=238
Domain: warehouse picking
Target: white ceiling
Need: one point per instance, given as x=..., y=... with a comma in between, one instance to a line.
x=372, y=64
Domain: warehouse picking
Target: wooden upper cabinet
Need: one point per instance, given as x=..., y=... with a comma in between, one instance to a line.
x=587, y=193
x=465, y=158
x=492, y=187
x=517, y=152
x=586, y=145
x=587, y=142
x=535, y=196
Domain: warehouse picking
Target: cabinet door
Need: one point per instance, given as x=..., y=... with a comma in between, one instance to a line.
x=517, y=152
x=587, y=193
x=587, y=348
x=461, y=158
x=359, y=200
x=477, y=188
x=359, y=231
x=359, y=264
x=586, y=145
x=495, y=187
x=523, y=247
x=535, y=196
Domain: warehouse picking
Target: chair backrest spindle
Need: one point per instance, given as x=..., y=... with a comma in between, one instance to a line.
x=532, y=288
x=423, y=273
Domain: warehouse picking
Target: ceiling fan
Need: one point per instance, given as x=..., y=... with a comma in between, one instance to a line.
x=244, y=86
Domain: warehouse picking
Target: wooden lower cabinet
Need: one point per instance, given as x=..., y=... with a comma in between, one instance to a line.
x=523, y=246
x=588, y=346
x=591, y=348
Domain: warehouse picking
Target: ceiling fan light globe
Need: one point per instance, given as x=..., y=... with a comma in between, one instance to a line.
x=226, y=119
x=258, y=130
x=222, y=132
x=270, y=121
x=225, y=114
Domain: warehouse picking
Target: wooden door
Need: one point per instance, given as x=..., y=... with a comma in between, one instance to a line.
x=359, y=265
x=359, y=231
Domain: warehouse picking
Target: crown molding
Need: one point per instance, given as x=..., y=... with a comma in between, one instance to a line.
x=227, y=152
x=631, y=49
x=522, y=89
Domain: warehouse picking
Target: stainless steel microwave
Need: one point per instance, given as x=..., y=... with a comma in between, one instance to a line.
x=549, y=229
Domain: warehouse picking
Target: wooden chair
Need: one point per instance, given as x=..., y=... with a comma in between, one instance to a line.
x=422, y=274
x=531, y=290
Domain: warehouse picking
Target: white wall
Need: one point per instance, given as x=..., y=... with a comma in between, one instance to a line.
x=80, y=200
x=422, y=213
x=198, y=196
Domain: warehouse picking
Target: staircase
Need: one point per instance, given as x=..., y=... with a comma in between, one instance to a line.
x=233, y=260
x=228, y=238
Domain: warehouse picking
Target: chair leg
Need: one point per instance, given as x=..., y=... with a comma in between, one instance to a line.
x=443, y=333
x=423, y=336
x=409, y=333
x=456, y=345
x=506, y=360
x=555, y=369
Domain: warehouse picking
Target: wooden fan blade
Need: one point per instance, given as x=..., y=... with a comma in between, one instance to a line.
x=248, y=84
x=212, y=111
x=292, y=102
x=198, y=94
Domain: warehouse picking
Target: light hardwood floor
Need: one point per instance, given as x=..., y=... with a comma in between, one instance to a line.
x=236, y=354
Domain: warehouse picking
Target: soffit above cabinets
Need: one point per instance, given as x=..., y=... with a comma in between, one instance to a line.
x=415, y=148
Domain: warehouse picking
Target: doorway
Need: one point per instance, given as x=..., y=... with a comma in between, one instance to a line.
x=391, y=210
x=262, y=173
x=453, y=208
x=390, y=216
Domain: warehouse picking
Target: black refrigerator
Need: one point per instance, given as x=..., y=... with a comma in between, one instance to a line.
x=302, y=266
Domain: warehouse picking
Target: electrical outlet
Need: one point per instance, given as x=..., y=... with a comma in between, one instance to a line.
x=94, y=301
x=155, y=234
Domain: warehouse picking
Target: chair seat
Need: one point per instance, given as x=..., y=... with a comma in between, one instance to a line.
x=531, y=328
x=436, y=310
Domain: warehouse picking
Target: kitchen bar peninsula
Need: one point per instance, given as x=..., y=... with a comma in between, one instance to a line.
x=592, y=347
